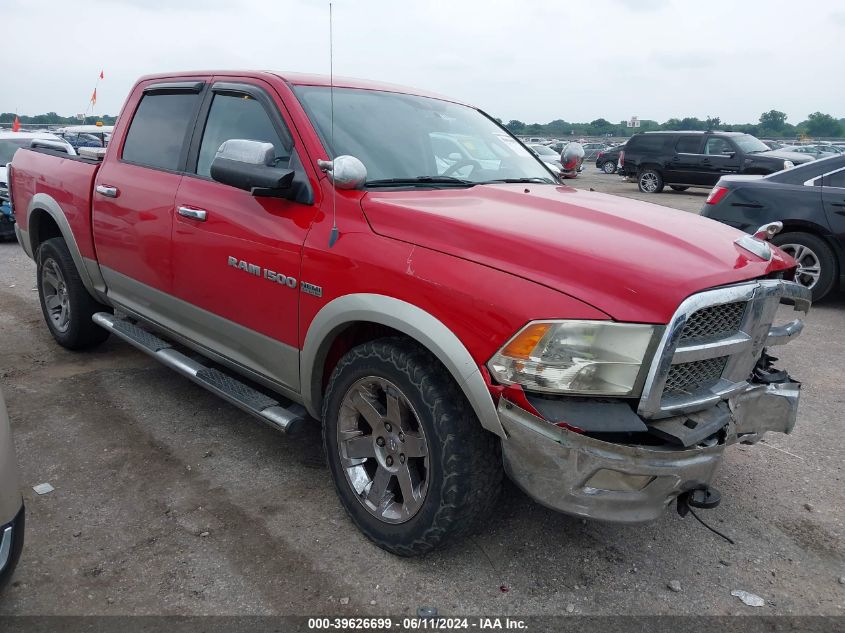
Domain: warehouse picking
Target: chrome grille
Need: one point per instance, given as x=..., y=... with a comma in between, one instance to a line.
x=687, y=378
x=714, y=321
x=710, y=346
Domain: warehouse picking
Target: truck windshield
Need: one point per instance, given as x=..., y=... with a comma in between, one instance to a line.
x=417, y=141
x=750, y=144
x=9, y=146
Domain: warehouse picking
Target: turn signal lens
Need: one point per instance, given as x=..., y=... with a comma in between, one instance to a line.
x=524, y=343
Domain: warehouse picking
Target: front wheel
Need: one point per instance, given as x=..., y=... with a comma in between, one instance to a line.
x=817, y=268
x=650, y=181
x=609, y=167
x=411, y=464
x=65, y=302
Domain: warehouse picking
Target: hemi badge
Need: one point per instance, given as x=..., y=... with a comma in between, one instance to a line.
x=311, y=289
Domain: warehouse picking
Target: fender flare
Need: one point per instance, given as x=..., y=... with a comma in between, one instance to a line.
x=89, y=270
x=403, y=317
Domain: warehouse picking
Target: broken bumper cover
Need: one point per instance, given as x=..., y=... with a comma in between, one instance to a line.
x=589, y=477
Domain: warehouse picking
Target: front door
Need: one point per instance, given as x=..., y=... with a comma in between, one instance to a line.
x=236, y=257
x=721, y=158
x=132, y=208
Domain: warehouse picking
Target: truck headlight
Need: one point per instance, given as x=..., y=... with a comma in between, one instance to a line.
x=577, y=357
x=788, y=164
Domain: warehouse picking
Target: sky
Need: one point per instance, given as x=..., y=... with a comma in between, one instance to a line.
x=532, y=60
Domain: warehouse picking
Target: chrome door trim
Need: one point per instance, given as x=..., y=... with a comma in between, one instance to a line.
x=195, y=214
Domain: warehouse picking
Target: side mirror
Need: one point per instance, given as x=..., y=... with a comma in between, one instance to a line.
x=247, y=165
x=346, y=172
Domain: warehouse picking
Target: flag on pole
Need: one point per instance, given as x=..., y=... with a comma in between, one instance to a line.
x=101, y=75
x=94, y=97
x=16, y=126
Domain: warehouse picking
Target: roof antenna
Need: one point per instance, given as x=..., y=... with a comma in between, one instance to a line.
x=334, y=234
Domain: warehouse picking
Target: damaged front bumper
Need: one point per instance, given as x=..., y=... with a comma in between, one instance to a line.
x=589, y=477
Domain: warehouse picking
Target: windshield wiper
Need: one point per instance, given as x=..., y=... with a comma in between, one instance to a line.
x=535, y=179
x=419, y=180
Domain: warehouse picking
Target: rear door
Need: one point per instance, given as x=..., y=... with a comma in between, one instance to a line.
x=134, y=190
x=236, y=257
x=833, y=196
x=721, y=157
x=685, y=166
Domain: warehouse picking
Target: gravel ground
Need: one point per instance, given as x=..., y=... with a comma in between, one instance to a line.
x=169, y=501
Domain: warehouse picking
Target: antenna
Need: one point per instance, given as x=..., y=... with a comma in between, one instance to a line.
x=335, y=233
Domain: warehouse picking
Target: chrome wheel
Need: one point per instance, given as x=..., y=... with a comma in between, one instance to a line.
x=55, y=293
x=383, y=450
x=648, y=182
x=608, y=167
x=809, y=268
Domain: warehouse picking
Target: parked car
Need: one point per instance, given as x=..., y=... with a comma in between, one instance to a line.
x=809, y=200
x=591, y=150
x=443, y=329
x=815, y=151
x=12, y=514
x=608, y=159
x=86, y=135
x=545, y=153
x=10, y=142
x=698, y=159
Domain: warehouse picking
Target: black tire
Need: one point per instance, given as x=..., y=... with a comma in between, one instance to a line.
x=650, y=180
x=78, y=331
x=678, y=187
x=609, y=166
x=816, y=248
x=464, y=470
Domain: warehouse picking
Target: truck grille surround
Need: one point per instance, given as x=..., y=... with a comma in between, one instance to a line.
x=710, y=347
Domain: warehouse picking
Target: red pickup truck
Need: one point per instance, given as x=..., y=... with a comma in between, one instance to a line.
x=399, y=267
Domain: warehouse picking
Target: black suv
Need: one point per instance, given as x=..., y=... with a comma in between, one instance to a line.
x=698, y=159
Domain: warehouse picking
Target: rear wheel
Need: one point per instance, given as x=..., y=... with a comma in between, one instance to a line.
x=678, y=187
x=411, y=464
x=817, y=268
x=65, y=302
x=608, y=167
x=650, y=181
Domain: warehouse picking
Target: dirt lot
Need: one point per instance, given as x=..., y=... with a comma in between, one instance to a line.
x=169, y=501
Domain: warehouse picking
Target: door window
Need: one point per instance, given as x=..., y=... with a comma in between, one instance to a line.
x=156, y=135
x=718, y=147
x=688, y=145
x=241, y=117
x=836, y=180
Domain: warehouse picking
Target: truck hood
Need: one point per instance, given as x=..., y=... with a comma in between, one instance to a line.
x=633, y=260
x=795, y=157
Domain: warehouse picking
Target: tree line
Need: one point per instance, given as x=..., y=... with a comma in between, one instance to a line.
x=51, y=118
x=772, y=124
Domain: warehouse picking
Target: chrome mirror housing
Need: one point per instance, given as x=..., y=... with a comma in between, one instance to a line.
x=768, y=231
x=346, y=172
x=246, y=151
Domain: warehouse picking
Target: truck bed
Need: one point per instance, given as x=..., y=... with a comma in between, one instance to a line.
x=69, y=180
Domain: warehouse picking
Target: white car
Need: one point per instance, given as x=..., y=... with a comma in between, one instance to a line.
x=10, y=142
x=11, y=504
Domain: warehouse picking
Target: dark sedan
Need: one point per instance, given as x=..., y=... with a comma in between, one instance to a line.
x=809, y=200
x=608, y=158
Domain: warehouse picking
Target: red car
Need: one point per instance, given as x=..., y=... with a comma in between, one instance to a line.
x=447, y=316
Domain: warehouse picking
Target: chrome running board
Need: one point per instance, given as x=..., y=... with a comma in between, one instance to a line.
x=284, y=417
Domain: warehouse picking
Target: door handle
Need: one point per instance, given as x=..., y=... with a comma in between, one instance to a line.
x=107, y=190
x=194, y=214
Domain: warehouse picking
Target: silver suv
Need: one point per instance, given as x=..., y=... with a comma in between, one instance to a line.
x=11, y=504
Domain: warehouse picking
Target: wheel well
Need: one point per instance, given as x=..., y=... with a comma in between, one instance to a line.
x=653, y=166
x=42, y=227
x=344, y=339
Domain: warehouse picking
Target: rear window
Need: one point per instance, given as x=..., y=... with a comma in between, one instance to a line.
x=836, y=180
x=647, y=143
x=157, y=132
x=688, y=145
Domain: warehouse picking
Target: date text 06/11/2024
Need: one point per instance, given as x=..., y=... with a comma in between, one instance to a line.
x=416, y=624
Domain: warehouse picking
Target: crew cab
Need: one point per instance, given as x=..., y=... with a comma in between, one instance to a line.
x=304, y=251
x=698, y=159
